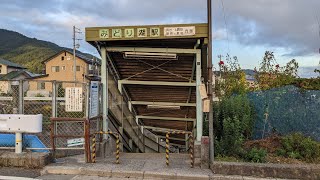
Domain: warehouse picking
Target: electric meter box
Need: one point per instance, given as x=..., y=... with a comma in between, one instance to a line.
x=21, y=123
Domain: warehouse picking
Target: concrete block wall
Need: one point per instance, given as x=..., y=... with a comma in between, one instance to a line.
x=25, y=160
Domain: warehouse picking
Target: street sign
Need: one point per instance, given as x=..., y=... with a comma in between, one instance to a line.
x=180, y=31
x=74, y=99
x=75, y=142
x=94, y=99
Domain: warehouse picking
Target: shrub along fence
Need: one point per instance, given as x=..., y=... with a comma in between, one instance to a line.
x=283, y=111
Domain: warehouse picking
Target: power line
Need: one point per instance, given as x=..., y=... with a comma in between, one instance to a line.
x=225, y=23
x=75, y=46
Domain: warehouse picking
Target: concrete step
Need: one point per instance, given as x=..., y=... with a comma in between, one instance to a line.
x=66, y=173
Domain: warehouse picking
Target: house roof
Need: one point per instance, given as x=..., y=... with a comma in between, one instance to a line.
x=14, y=74
x=11, y=64
x=38, y=76
x=78, y=54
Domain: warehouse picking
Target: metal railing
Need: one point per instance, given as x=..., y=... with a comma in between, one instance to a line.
x=191, y=145
x=94, y=141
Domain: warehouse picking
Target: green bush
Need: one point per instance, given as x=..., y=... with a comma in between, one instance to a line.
x=256, y=155
x=233, y=124
x=39, y=95
x=299, y=147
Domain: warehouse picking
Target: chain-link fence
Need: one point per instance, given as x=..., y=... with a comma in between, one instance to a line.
x=51, y=99
x=286, y=110
x=66, y=118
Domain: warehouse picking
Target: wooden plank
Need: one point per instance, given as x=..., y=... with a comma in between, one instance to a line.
x=157, y=83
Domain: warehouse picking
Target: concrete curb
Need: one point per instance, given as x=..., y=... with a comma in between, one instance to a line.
x=288, y=171
x=63, y=170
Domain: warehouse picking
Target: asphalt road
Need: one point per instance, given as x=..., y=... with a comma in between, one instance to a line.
x=19, y=172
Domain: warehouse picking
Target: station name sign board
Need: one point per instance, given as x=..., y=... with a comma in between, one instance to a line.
x=146, y=32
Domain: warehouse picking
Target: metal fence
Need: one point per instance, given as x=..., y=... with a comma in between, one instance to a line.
x=286, y=110
x=59, y=125
x=49, y=99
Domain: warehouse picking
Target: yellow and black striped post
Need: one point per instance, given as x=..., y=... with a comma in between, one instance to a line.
x=191, y=142
x=117, y=143
x=167, y=149
x=118, y=149
x=93, y=147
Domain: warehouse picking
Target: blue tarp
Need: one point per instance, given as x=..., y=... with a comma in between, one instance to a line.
x=29, y=141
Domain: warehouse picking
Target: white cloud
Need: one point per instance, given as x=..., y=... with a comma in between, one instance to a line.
x=285, y=24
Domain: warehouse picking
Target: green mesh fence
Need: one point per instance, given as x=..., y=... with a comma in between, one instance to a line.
x=286, y=110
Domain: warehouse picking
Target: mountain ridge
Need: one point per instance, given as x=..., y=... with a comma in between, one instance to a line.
x=26, y=51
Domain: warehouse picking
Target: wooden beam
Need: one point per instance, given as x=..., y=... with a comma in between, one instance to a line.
x=158, y=129
x=153, y=50
x=166, y=118
x=156, y=83
x=162, y=103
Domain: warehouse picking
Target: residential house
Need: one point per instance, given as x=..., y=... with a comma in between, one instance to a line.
x=60, y=67
x=10, y=73
x=250, y=78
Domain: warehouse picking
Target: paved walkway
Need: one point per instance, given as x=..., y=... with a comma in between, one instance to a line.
x=132, y=166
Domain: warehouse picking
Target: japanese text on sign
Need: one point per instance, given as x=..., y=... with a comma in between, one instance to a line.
x=94, y=99
x=75, y=142
x=104, y=33
x=74, y=99
x=180, y=31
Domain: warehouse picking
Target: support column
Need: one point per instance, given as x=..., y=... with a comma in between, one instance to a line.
x=131, y=144
x=157, y=140
x=18, y=149
x=105, y=98
x=21, y=96
x=199, y=100
x=121, y=142
x=187, y=141
x=143, y=139
x=54, y=113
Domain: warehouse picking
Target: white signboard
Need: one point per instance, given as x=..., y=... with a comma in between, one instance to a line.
x=180, y=31
x=94, y=99
x=75, y=142
x=74, y=99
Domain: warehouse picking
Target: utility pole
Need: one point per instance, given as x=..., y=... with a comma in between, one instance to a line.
x=210, y=87
x=75, y=46
x=220, y=65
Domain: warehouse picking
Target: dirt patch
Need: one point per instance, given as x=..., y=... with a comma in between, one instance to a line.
x=271, y=158
x=271, y=144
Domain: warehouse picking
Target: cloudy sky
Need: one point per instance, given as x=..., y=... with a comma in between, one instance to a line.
x=289, y=28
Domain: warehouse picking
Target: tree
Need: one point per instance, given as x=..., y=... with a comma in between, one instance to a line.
x=271, y=74
x=231, y=78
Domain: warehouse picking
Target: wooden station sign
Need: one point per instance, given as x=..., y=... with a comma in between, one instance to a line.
x=146, y=32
